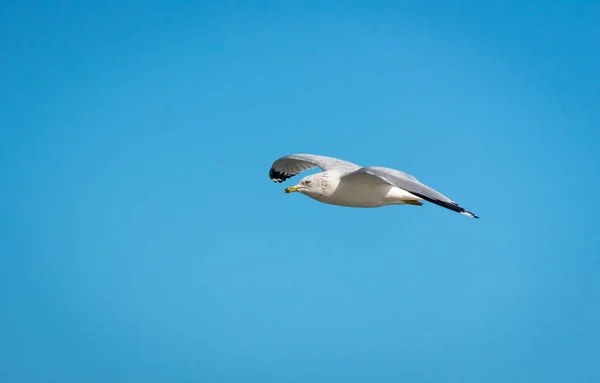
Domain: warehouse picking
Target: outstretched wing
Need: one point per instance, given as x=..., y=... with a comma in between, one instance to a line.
x=288, y=166
x=406, y=182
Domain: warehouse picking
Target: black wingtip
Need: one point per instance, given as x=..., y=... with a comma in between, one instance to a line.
x=452, y=206
x=469, y=214
x=278, y=177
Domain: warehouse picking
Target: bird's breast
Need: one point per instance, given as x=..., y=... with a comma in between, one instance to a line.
x=358, y=195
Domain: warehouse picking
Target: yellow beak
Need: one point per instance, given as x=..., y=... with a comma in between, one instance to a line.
x=291, y=189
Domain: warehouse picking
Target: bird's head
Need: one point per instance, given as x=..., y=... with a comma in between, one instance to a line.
x=307, y=185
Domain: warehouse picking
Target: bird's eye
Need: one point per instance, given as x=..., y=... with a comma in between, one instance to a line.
x=306, y=182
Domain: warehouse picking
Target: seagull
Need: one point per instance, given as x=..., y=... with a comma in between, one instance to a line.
x=344, y=183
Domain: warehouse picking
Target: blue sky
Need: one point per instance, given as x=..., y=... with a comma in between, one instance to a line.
x=142, y=239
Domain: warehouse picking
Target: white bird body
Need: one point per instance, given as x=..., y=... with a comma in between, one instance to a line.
x=367, y=194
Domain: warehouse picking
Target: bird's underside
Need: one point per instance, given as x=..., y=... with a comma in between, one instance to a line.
x=357, y=186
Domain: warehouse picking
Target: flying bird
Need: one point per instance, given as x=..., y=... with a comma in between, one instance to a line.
x=344, y=183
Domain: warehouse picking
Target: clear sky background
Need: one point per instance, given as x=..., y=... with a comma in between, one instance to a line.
x=141, y=239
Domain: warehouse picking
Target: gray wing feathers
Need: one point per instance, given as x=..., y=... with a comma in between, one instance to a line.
x=409, y=183
x=393, y=172
x=403, y=181
x=288, y=166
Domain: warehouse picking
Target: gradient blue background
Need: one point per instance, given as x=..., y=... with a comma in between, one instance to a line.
x=142, y=240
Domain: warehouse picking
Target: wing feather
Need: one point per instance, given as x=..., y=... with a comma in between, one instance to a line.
x=291, y=165
x=409, y=183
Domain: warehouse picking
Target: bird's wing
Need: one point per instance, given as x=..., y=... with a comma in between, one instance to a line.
x=288, y=166
x=406, y=182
